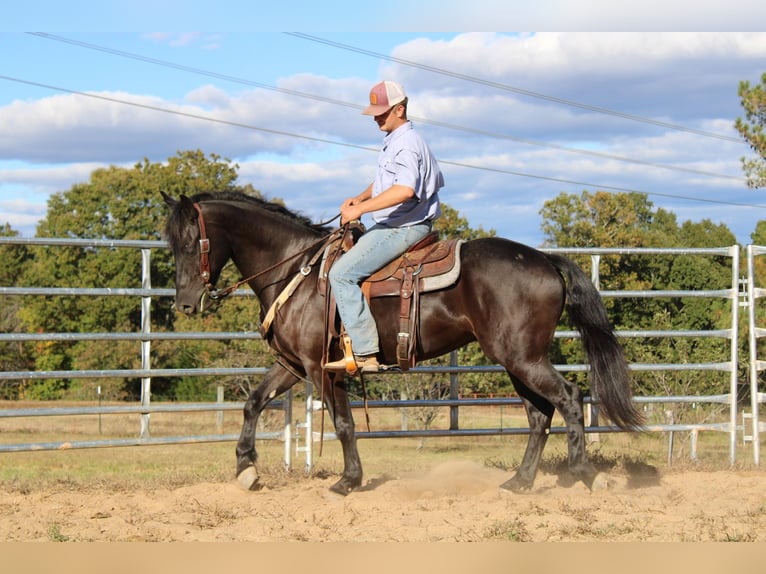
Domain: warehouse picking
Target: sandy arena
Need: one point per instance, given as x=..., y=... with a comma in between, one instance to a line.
x=453, y=502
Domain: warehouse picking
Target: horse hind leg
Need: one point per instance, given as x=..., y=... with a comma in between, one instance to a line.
x=276, y=381
x=569, y=402
x=539, y=414
x=549, y=385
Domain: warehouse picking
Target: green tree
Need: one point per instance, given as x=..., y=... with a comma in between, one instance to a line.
x=13, y=355
x=751, y=129
x=596, y=219
x=116, y=203
x=629, y=220
x=453, y=225
x=602, y=219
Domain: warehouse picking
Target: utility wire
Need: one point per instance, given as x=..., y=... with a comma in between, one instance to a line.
x=345, y=144
x=183, y=114
x=445, y=125
x=507, y=88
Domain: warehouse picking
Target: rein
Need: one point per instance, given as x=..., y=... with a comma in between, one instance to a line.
x=204, y=261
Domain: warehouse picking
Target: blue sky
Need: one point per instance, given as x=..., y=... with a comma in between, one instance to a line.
x=516, y=119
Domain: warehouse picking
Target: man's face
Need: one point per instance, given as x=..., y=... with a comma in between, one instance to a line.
x=390, y=120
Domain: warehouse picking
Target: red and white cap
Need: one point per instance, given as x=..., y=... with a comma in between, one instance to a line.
x=383, y=97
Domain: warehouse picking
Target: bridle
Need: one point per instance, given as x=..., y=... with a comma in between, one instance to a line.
x=218, y=294
x=204, y=250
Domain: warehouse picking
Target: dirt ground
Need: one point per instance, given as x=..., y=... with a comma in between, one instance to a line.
x=452, y=502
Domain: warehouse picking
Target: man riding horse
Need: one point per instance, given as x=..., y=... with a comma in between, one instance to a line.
x=403, y=200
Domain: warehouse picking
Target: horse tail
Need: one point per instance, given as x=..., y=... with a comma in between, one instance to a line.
x=609, y=378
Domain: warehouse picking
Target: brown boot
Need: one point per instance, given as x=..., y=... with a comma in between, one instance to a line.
x=367, y=363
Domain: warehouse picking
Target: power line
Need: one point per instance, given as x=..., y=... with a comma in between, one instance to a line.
x=591, y=153
x=238, y=80
x=513, y=89
x=345, y=144
x=190, y=69
x=179, y=113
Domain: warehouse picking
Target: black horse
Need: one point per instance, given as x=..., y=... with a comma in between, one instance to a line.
x=509, y=298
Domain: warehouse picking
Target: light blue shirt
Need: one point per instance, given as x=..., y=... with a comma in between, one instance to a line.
x=406, y=159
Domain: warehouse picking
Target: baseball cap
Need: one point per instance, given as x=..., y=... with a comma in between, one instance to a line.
x=384, y=96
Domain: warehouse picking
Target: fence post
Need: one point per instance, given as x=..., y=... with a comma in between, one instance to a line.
x=591, y=420
x=670, y=421
x=753, y=293
x=309, y=426
x=403, y=410
x=734, y=353
x=454, y=393
x=595, y=277
x=287, y=424
x=146, y=345
x=219, y=414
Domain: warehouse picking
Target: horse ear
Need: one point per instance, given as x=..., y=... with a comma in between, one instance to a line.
x=187, y=206
x=168, y=200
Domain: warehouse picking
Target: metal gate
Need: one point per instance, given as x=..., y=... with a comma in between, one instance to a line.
x=728, y=337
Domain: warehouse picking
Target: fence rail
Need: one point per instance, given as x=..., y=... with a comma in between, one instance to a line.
x=146, y=293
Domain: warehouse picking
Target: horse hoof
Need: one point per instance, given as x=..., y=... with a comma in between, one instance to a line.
x=515, y=485
x=340, y=489
x=343, y=488
x=248, y=479
x=600, y=482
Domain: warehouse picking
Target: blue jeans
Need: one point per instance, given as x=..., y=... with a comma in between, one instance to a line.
x=376, y=247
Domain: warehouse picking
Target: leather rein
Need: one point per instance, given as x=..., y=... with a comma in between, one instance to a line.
x=218, y=294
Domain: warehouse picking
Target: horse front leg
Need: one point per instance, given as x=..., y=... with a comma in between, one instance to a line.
x=339, y=407
x=276, y=382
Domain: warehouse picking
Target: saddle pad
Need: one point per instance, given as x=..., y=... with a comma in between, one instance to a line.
x=439, y=268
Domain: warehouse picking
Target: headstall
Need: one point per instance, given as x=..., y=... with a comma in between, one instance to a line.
x=218, y=294
x=204, y=250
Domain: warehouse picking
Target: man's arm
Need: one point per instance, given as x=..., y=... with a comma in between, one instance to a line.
x=394, y=195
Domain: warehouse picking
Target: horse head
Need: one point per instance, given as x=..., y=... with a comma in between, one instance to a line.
x=198, y=260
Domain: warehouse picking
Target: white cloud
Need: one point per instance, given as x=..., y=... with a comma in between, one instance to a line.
x=209, y=96
x=46, y=179
x=593, y=15
x=687, y=79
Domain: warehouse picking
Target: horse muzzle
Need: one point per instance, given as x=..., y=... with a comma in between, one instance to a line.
x=191, y=306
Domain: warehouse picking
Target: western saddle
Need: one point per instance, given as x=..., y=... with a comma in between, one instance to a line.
x=428, y=265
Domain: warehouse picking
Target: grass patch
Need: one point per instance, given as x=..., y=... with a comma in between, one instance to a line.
x=55, y=534
x=508, y=530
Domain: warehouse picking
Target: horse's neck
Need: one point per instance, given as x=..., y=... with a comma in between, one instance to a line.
x=272, y=254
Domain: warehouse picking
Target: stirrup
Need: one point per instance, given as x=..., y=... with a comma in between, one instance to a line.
x=348, y=355
x=348, y=362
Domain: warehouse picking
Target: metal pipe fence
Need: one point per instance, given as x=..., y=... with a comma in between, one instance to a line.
x=755, y=333
x=145, y=337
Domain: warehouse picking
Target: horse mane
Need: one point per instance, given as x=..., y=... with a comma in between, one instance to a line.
x=271, y=206
x=173, y=224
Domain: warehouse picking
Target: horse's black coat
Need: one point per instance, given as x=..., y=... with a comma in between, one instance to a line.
x=509, y=298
